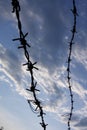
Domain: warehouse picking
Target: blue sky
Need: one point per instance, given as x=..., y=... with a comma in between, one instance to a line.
x=49, y=24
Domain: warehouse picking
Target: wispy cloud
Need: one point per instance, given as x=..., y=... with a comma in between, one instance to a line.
x=80, y=54
x=53, y=83
x=10, y=66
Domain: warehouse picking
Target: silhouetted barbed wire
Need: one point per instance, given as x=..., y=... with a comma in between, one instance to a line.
x=75, y=14
x=30, y=66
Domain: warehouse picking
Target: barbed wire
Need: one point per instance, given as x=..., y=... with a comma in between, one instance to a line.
x=31, y=66
x=75, y=14
x=34, y=104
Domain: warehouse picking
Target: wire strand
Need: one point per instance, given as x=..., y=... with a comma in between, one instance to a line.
x=73, y=31
x=30, y=66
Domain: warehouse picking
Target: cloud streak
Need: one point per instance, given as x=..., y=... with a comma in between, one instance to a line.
x=11, y=68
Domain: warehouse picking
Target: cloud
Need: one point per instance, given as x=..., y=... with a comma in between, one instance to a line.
x=46, y=32
x=79, y=119
x=80, y=55
x=53, y=92
x=11, y=70
x=5, y=79
x=5, y=8
x=43, y=33
x=9, y=62
x=82, y=124
x=16, y=76
x=53, y=84
x=79, y=90
x=56, y=100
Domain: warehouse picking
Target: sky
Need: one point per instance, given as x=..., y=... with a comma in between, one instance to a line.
x=48, y=23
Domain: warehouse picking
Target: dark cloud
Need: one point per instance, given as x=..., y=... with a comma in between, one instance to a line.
x=5, y=8
x=82, y=123
x=47, y=41
x=57, y=95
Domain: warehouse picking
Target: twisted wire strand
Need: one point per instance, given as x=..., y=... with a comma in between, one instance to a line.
x=30, y=66
x=73, y=31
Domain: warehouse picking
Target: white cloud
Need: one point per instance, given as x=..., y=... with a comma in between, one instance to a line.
x=79, y=90
x=53, y=84
x=80, y=55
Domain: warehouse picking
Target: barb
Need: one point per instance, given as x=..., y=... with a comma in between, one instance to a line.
x=30, y=66
x=73, y=31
